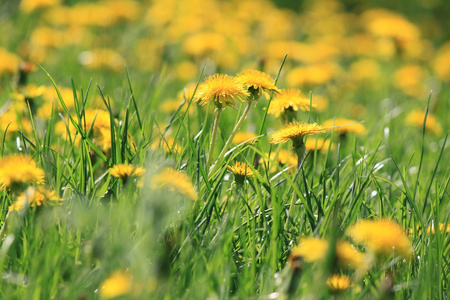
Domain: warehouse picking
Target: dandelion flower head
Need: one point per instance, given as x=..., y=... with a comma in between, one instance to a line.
x=124, y=171
x=342, y=126
x=289, y=100
x=319, y=144
x=34, y=197
x=256, y=82
x=282, y=159
x=295, y=131
x=240, y=170
x=416, y=118
x=19, y=170
x=118, y=284
x=310, y=249
x=176, y=181
x=242, y=137
x=382, y=237
x=222, y=89
x=347, y=255
x=338, y=282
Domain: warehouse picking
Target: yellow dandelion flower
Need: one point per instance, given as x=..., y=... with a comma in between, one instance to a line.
x=310, y=249
x=30, y=5
x=168, y=144
x=32, y=197
x=102, y=59
x=241, y=137
x=342, y=127
x=175, y=181
x=338, y=283
x=382, y=237
x=9, y=62
x=257, y=82
x=440, y=63
x=295, y=131
x=385, y=23
x=314, y=249
x=416, y=118
x=118, y=284
x=19, y=170
x=318, y=144
x=410, y=79
x=222, y=89
x=30, y=91
x=442, y=228
x=124, y=171
x=314, y=74
x=240, y=171
x=281, y=159
x=347, y=255
x=289, y=100
x=10, y=120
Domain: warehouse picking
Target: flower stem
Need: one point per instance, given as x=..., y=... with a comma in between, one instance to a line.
x=233, y=133
x=2, y=231
x=213, y=137
x=300, y=151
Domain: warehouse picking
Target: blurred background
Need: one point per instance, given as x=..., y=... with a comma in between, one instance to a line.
x=351, y=54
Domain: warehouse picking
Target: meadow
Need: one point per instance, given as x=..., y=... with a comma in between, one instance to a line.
x=241, y=149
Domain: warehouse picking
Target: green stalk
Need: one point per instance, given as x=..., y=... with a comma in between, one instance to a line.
x=230, y=138
x=213, y=138
x=300, y=151
x=3, y=229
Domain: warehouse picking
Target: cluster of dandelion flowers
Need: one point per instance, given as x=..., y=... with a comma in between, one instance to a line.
x=175, y=181
x=36, y=197
x=19, y=171
x=222, y=89
x=257, y=82
x=382, y=237
x=125, y=171
x=295, y=131
x=289, y=101
x=240, y=171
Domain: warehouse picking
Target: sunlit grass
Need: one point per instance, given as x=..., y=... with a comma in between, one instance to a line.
x=222, y=152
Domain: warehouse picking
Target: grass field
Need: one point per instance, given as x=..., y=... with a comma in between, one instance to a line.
x=224, y=149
